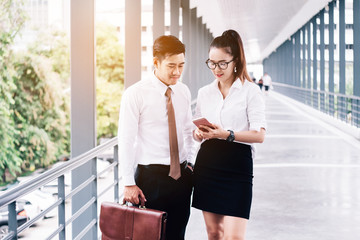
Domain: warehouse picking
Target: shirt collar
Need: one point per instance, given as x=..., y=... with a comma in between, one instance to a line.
x=160, y=86
x=237, y=84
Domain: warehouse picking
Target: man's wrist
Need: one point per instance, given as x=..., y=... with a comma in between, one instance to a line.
x=129, y=181
x=190, y=164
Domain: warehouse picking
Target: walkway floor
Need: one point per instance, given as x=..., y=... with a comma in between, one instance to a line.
x=306, y=184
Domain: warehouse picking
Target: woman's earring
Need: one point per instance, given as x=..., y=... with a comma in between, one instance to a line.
x=235, y=69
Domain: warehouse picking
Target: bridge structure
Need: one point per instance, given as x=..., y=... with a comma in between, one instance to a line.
x=306, y=170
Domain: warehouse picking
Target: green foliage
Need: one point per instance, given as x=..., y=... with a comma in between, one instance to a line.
x=109, y=54
x=108, y=105
x=110, y=80
x=39, y=112
x=55, y=47
x=34, y=100
x=11, y=21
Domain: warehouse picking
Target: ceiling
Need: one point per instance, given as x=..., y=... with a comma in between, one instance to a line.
x=263, y=24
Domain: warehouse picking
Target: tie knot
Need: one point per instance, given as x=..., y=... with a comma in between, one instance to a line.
x=168, y=92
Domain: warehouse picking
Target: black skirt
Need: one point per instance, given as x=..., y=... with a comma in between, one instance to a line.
x=223, y=175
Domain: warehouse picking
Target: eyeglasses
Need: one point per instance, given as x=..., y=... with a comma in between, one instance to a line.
x=222, y=65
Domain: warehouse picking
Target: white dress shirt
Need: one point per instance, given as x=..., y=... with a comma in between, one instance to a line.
x=267, y=80
x=243, y=109
x=143, y=126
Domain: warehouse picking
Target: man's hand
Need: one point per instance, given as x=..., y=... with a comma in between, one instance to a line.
x=134, y=195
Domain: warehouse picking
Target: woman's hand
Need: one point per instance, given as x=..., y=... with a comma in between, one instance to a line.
x=212, y=132
x=197, y=133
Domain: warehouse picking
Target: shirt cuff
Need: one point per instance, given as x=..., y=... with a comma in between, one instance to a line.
x=129, y=180
x=257, y=126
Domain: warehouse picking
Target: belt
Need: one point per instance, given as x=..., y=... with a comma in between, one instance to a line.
x=183, y=165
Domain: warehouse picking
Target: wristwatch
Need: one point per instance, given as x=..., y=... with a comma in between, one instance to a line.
x=231, y=137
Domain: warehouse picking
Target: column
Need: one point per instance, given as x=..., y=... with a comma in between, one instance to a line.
x=308, y=97
x=341, y=100
x=83, y=107
x=158, y=18
x=315, y=94
x=132, y=42
x=174, y=17
x=331, y=58
x=193, y=52
x=297, y=62
x=356, y=52
x=303, y=58
x=186, y=40
x=322, y=60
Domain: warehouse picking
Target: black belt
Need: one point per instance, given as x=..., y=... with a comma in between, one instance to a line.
x=183, y=165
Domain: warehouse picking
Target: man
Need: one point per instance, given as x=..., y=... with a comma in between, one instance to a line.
x=155, y=138
x=267, y=82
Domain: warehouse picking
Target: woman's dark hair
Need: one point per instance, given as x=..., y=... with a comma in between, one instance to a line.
x=231, y=42
x=167, y=46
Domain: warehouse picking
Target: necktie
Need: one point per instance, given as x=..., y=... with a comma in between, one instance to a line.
x=175, y=172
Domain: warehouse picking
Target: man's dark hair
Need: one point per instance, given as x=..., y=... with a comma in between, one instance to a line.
x=167, y=46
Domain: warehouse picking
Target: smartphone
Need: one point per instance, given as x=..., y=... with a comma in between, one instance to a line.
x=202, y=121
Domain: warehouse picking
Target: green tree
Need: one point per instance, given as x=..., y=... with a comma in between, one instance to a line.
x=12, y=19
x=110, y=79
x=40, y=117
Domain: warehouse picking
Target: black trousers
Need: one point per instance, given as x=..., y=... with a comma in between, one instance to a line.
x=166, y=194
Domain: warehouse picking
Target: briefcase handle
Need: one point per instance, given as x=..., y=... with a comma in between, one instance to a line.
x=142, y=203
x=139, y=206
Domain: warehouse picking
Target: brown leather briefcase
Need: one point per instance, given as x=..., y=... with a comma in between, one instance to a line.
x=120, y=222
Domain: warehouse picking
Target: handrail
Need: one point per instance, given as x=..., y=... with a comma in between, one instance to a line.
x=344, y=107
x=9, y=197
x=22, y=189
x=315, y=90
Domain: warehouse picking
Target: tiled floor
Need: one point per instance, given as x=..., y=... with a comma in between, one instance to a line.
x=306, y=184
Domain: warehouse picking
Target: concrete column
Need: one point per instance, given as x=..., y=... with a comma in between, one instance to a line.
x=83, y=106
x=203, y=54
x=132, y=42
x=174, y=17
x=356, y=52
x=186, y=76
x=303, y=58
x=308, y=55
x=356, y=66
x=198, y=52
x=322, y=60
x=342, y=70
x=193, y=52
x=331, y=57
x=158, y=18
x=297, y=58
x=292, y=61
x=356, y=45
x=315, y=95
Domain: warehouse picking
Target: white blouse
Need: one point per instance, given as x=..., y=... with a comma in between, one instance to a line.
x=243, y=109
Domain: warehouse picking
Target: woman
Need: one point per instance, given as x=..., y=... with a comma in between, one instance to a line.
x=224, y=165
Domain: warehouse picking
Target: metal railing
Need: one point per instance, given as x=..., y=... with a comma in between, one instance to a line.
x=9, y=197
x=341, y=106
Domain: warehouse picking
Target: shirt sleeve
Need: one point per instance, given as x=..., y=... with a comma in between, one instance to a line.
x=197, y=113
x=127, y=132
x=188, y=131
x=256, y=109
